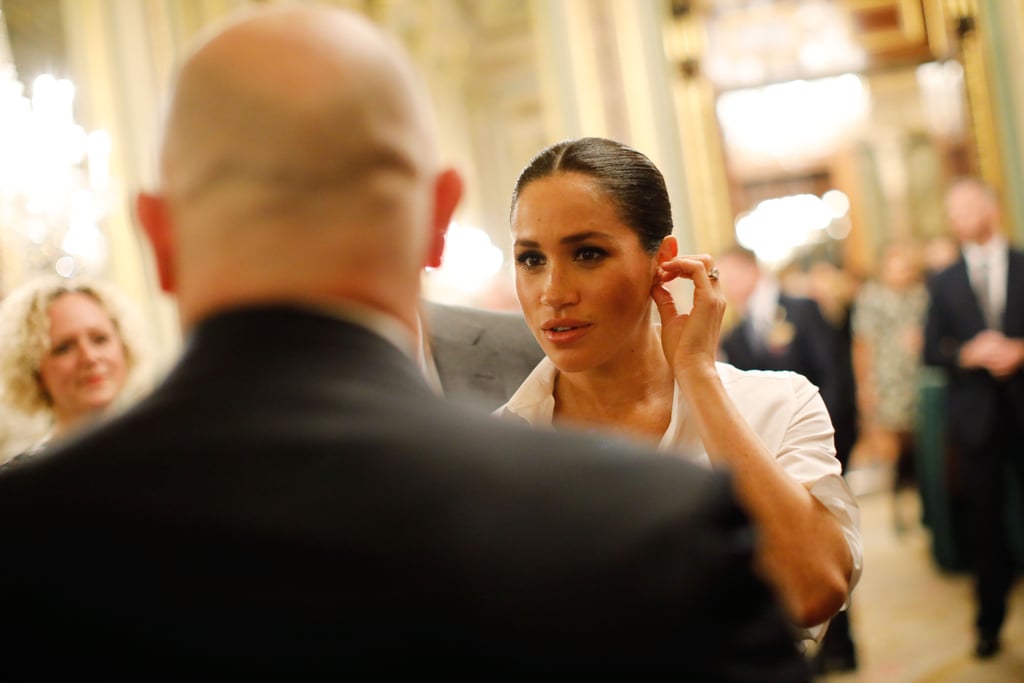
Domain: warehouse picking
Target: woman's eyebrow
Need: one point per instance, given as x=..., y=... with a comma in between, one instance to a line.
x=568, y=239
x=582, y=237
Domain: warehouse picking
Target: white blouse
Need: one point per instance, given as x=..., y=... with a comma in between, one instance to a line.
x=784, y=409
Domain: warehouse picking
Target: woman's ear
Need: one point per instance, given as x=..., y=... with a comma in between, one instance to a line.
x=669, y=249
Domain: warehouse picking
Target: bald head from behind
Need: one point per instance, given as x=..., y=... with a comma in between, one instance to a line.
x=298, y=165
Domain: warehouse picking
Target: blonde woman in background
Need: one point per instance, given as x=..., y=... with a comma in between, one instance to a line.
x=72, y=353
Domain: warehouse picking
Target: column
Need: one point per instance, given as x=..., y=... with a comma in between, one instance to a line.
x=605, y=72
x=122, y=53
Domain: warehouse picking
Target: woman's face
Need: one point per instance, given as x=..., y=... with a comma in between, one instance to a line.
x=84, y=368
x=582, y=277
x=899, y=269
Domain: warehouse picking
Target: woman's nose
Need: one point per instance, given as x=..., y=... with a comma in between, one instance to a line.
x=558, y=290
x=89, y=352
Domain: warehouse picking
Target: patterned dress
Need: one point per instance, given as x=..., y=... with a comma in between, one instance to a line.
x=892, y=321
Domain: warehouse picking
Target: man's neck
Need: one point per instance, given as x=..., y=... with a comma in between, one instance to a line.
x=989, y=243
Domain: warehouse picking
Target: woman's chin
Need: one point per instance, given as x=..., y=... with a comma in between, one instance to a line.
x=570, y=361
x=96, y=406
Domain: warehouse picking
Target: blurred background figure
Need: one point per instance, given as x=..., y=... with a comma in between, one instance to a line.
x=975, y=329
x=773, y=331
x=73, y=352
x=777, y=331
x=938, y=253
x=888, y=328
x=834, y=289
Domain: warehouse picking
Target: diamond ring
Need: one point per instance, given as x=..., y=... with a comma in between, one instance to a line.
x=713, y=274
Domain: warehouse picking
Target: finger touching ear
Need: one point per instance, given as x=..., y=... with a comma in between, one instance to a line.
x=152, y=214
x=447, y=193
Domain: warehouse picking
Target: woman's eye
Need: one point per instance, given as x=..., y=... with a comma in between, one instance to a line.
x=592, y=254
x=61, y=349
x=529, y=259
x=100, y=338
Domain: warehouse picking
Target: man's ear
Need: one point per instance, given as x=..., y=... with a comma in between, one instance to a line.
x=151, y=210
x=447, y=193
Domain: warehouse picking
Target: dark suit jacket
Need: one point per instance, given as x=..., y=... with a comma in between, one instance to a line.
x=295, y=498
x=817, y=351
x=481, y=356
x=955, y=317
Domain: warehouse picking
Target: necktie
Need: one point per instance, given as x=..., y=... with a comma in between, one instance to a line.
x=983, y=290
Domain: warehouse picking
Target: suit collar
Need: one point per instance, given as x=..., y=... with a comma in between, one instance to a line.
x=288, y=336
x=460, y=329
x=1013, y=312
x=280, y=323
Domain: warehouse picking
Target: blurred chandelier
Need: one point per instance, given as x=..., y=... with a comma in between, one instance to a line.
x=54, y=179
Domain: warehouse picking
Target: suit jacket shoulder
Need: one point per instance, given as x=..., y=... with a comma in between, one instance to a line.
x=481, y=356
x=295, y=498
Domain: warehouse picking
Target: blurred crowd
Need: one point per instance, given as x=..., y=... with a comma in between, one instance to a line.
x=950, y=303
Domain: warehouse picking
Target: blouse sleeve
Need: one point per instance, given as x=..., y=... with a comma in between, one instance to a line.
x=807, y=454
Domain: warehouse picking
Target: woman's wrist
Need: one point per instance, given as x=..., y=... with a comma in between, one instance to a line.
x=696, y=371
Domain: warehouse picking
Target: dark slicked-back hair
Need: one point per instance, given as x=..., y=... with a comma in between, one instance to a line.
x=626, y=176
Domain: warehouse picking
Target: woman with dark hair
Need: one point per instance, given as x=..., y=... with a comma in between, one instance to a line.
x=592, y=229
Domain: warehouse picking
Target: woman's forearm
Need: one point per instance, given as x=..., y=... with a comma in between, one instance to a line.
x=802, y=550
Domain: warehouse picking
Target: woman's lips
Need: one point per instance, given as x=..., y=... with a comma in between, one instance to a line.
x=565, y=331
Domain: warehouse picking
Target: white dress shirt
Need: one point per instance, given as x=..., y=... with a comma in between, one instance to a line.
x=762, y=308
x=991, y=257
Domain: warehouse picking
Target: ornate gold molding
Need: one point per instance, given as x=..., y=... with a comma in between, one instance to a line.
x=984, y=143
x=701, y=138
x=886, y=26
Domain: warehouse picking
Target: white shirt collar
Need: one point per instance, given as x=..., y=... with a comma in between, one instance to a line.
x=763, y=302
x=993, y=250
x=534, y=401
x=425, y=358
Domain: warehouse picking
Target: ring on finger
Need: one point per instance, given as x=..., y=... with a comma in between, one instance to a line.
x=713, y=274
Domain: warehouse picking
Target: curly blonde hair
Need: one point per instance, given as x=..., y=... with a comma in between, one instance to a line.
x=25, y=331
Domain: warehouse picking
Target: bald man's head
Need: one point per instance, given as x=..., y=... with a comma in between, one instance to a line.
x=298, y=160
x=293, y=98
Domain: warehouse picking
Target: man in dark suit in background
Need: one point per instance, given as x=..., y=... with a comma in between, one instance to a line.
x=975, y=329
x=477, y=356
x=294, y=497
x=776, y=331
x=782, y=332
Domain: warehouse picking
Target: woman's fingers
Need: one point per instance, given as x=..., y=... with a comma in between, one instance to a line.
x=664, y=301
x=703, y=322
x=695, y=267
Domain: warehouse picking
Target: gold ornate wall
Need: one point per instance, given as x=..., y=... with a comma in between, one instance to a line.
x=510, y=77
x=701, y=138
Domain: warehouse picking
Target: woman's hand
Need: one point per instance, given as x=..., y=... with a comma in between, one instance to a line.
x=802, y=548
x=690, y=340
